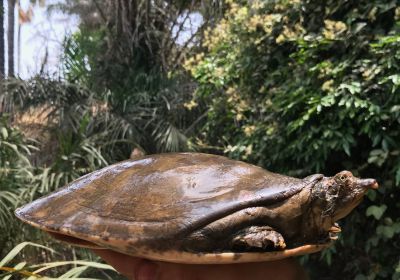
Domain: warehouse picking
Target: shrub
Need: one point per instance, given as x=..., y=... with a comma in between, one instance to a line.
x=306, y=86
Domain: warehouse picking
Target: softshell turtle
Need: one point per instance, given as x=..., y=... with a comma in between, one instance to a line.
x=198, y=208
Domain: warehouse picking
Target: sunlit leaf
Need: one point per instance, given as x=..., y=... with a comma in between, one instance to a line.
x=376, y=211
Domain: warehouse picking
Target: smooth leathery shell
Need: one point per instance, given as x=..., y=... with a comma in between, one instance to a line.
x=144, y=207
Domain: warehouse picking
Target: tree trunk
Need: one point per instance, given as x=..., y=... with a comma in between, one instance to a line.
x=2, y=54
x=19, y=48
x=10, y=37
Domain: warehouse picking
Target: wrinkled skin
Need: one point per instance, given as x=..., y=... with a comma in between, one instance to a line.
x=332, y=199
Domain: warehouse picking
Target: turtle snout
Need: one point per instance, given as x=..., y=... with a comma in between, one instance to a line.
x=368, y=183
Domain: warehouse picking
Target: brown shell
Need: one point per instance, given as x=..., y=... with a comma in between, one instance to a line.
x=135, y=206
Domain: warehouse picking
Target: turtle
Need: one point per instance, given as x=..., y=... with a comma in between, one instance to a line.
x=198, y=208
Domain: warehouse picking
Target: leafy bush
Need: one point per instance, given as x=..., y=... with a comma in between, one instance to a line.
x=145, y=104
x=306, y=86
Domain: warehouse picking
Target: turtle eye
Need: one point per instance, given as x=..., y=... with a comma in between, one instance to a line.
x=341, y=178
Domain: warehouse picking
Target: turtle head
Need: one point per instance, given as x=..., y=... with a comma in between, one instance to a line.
x=340, y=194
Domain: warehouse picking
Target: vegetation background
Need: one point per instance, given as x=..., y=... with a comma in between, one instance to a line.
x=297, y=87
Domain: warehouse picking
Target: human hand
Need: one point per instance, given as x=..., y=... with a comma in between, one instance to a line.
x=141, y=269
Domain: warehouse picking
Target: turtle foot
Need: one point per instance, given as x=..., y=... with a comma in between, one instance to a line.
x=258, y=238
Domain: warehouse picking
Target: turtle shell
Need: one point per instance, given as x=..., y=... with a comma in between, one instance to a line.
x=142, y=207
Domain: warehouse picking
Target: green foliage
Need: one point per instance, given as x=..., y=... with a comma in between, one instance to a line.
x=71, y=146
x=31, y=272
x=74, y=147
x=77, y=120
x=145, y=104
x=306, y=86
x=376, y=211
x=295, y=86
x=79, y=60
x=15, y=176
x=117, y=92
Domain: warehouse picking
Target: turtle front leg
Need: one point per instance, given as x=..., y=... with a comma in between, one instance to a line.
x=258, y=238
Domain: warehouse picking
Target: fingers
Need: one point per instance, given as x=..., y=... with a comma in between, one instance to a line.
x=146, y=270
x=141, y=269
x=287, y=269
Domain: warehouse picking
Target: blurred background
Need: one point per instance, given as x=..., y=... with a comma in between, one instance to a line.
x=296, y=87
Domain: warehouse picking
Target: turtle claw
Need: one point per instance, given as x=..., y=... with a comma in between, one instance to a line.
x=335, y=228
x=334, y=231
x=333, y=236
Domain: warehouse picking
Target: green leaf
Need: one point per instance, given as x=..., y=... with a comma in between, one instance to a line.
x=398, y=177
x=385, y=231
x=378, y=156
x=49, y=265
x=18, y=248
x=360, y=277
x=4, y=133
x=353, y=88
x=346, y=148
x=395, y=79
x=376, y=140
x=396, y=227
x=376, y=211
x=371, y=194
